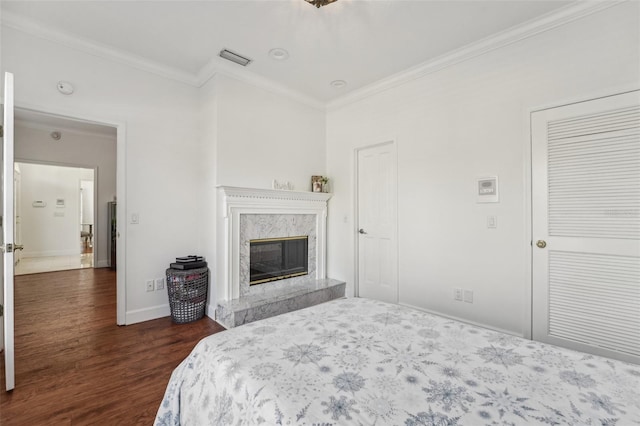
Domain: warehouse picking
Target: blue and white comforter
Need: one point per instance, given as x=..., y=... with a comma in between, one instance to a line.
x=363, y=362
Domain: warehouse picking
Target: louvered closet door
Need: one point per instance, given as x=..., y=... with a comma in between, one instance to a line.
x=586, y=208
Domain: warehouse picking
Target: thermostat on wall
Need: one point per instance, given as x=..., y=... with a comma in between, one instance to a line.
x=39, y=203
x=487, y=189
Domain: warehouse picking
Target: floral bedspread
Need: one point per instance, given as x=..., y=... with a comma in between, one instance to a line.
x=364, y=362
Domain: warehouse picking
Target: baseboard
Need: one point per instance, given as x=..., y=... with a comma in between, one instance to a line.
x=466, y=321
x=147, y=314
x=101, y=264
x=49, y=253
x=211, y=311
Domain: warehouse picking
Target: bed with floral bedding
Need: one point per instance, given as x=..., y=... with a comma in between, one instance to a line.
x=363, y=362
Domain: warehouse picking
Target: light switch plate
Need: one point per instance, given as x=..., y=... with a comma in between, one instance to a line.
x=492, y=222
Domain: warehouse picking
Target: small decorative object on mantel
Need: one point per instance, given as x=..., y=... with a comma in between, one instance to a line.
x=319, y=184
x=316, y=183
x=325, y=183
x=286, y=186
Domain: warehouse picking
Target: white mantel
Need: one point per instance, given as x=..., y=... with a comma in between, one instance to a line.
x=234, y=202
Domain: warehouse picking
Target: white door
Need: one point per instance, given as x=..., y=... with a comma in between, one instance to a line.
x=7, y=229
x=586, y=226
x=377, y=223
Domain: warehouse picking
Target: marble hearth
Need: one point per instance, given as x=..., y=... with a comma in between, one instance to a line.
x=252, y=214
x=301, y=294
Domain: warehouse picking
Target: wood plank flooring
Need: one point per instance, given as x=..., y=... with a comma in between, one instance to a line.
x=75, y=366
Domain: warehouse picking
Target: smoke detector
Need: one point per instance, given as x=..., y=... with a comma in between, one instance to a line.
x=65, y=87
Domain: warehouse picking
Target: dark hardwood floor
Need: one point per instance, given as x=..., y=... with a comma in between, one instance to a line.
x=75, y=366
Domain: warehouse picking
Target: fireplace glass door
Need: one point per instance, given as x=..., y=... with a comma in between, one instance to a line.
x=278, y=258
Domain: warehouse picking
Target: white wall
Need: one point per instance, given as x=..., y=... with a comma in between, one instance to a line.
x=50, y=230
x=263, y=136
x=249, y=137
x=161, y=125
x=460, y=123
x=79, y=149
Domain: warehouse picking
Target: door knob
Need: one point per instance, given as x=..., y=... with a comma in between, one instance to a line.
x=18, y=247
x=541, y=243
x=361, y=231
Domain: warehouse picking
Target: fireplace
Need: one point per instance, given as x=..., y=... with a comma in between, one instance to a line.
x=272, y=259
x=248, y=217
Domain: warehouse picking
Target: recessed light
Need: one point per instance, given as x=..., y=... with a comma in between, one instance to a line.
x=278, y=54
x=338, y=83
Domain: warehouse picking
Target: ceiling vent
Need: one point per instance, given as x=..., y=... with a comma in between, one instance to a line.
x=234, y=57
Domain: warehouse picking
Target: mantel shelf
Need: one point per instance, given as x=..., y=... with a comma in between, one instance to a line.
x=274, y=194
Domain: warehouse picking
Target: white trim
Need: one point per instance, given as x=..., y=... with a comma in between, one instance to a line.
x=101, y=264
x=211, y=310
x=462, y=320
x=512, y=35
x=94, y=48
x=121, y=286
x=147, y=314
x=50, y=253
x=213, y=67
x=39, y=126
x=235, y=202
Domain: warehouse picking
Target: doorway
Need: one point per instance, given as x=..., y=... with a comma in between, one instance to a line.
x=54, y=217
x=377, y=238
x=48, y=136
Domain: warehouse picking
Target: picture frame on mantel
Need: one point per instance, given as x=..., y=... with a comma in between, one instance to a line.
x=316, y=183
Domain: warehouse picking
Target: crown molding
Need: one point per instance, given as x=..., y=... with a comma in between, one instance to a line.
x=570, y=13
x=557, y=18
x=213, y=67
x=91, y=47
x=217, y=67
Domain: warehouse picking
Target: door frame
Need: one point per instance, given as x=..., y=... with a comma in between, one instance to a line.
x=356, y=216
x=120, y=126
x=527, y=329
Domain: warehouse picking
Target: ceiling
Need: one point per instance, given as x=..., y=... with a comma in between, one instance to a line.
x=358, y=41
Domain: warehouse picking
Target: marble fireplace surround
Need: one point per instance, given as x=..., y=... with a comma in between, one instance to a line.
x=245, y=214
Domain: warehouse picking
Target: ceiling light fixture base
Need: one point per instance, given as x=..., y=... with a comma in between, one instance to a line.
x=320, y=3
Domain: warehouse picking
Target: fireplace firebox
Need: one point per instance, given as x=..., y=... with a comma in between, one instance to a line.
x=272, y=259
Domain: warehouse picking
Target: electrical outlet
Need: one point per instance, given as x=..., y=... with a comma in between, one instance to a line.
x=468, y=296
x=149, y=285
x=457, y=294
x=159, y=283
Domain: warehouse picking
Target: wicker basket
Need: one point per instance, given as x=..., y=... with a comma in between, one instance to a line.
x=187, y=293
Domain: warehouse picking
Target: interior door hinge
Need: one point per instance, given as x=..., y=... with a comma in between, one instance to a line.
x=1, y=310
x=1, y=131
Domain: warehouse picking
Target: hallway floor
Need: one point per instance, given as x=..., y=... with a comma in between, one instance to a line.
x=35, y=265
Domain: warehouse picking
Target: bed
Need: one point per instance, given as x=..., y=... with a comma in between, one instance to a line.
x=363, y=362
